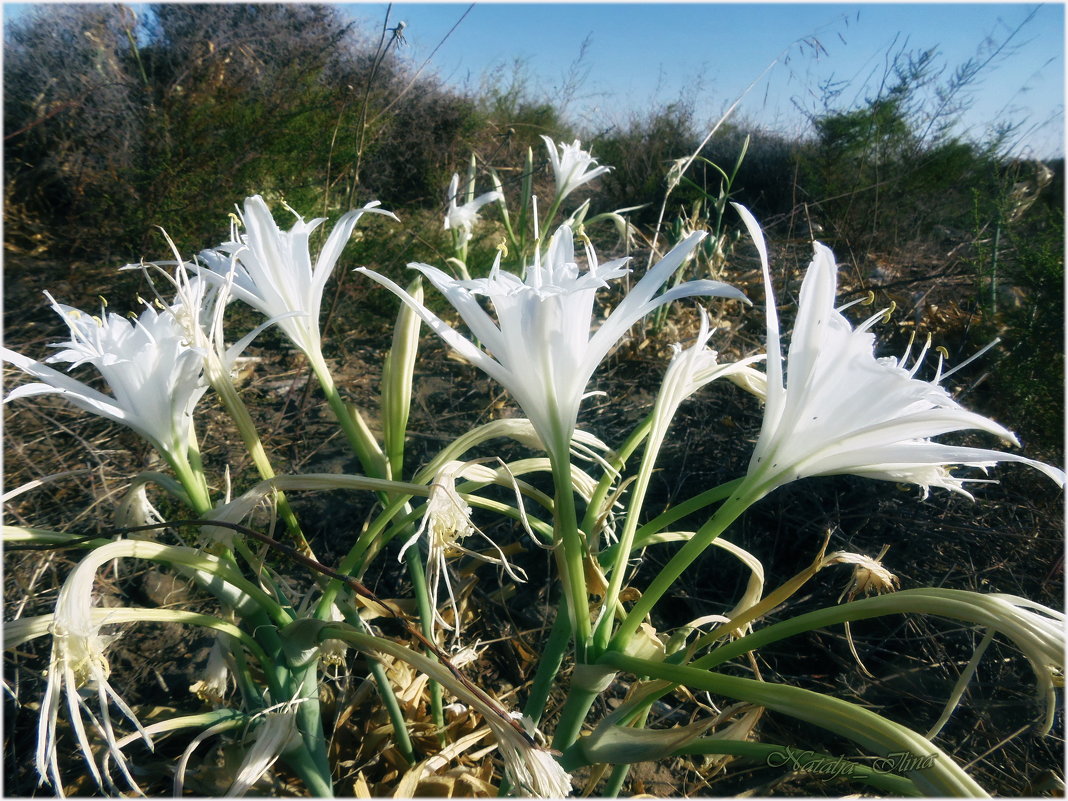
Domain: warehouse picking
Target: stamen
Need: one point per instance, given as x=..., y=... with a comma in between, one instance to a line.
x=890, y=311
x=919, y=359
x=973, y=357
x=867, y=300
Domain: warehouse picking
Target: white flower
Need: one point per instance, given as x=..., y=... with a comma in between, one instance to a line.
x=332, y=652
x=843, y=410
x=543, y=349
x=78, y=664
x=463, y=218
x=572, y=166
x=155, y=375
x=273, y=270
x=199, y=307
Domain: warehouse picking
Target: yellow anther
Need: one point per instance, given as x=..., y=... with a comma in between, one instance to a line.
x=235, y=219
x=103, y=301
x=98, y=321
x=869, y=300
x=132, y=315
x=74, y=314
x=159, y=304
x=942, y=349
x=289, y=208
x=502, y=246
x=890, y=311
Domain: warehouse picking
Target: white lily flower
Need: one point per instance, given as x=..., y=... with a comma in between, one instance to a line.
x=272, y=269
x=78, y=664
x=572, y=166
x=155, y=375
x=463, y=218
x=199, y=306
x=543, y=349
x=842, y=410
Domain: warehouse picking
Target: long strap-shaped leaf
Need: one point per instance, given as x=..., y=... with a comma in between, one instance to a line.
x=871, y=731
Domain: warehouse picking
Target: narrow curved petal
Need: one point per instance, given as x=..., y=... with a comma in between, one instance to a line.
x=543, y=350
x=452, y=338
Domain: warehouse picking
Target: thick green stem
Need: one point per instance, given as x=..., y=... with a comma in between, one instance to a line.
x=549, y=661
x=363, y=443
x=317, y=776
x=202, y=496
x=570, y=555
x=576, y=707
x=191, y=480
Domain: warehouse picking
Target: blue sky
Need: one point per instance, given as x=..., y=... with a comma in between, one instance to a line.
x=641, y=55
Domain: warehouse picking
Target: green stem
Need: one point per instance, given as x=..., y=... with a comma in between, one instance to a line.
x=570, y=556
x=665, y=579
x=238, y=412
x=191, y=480
x=576, y=707
x=352, y=564
x=401, y=736
x=619, y=458
x=197, y=474
x=675, y=513
x=352, y=423
x=317, y=776
x=550, y=659
x=615, y=781
x=426, y=623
